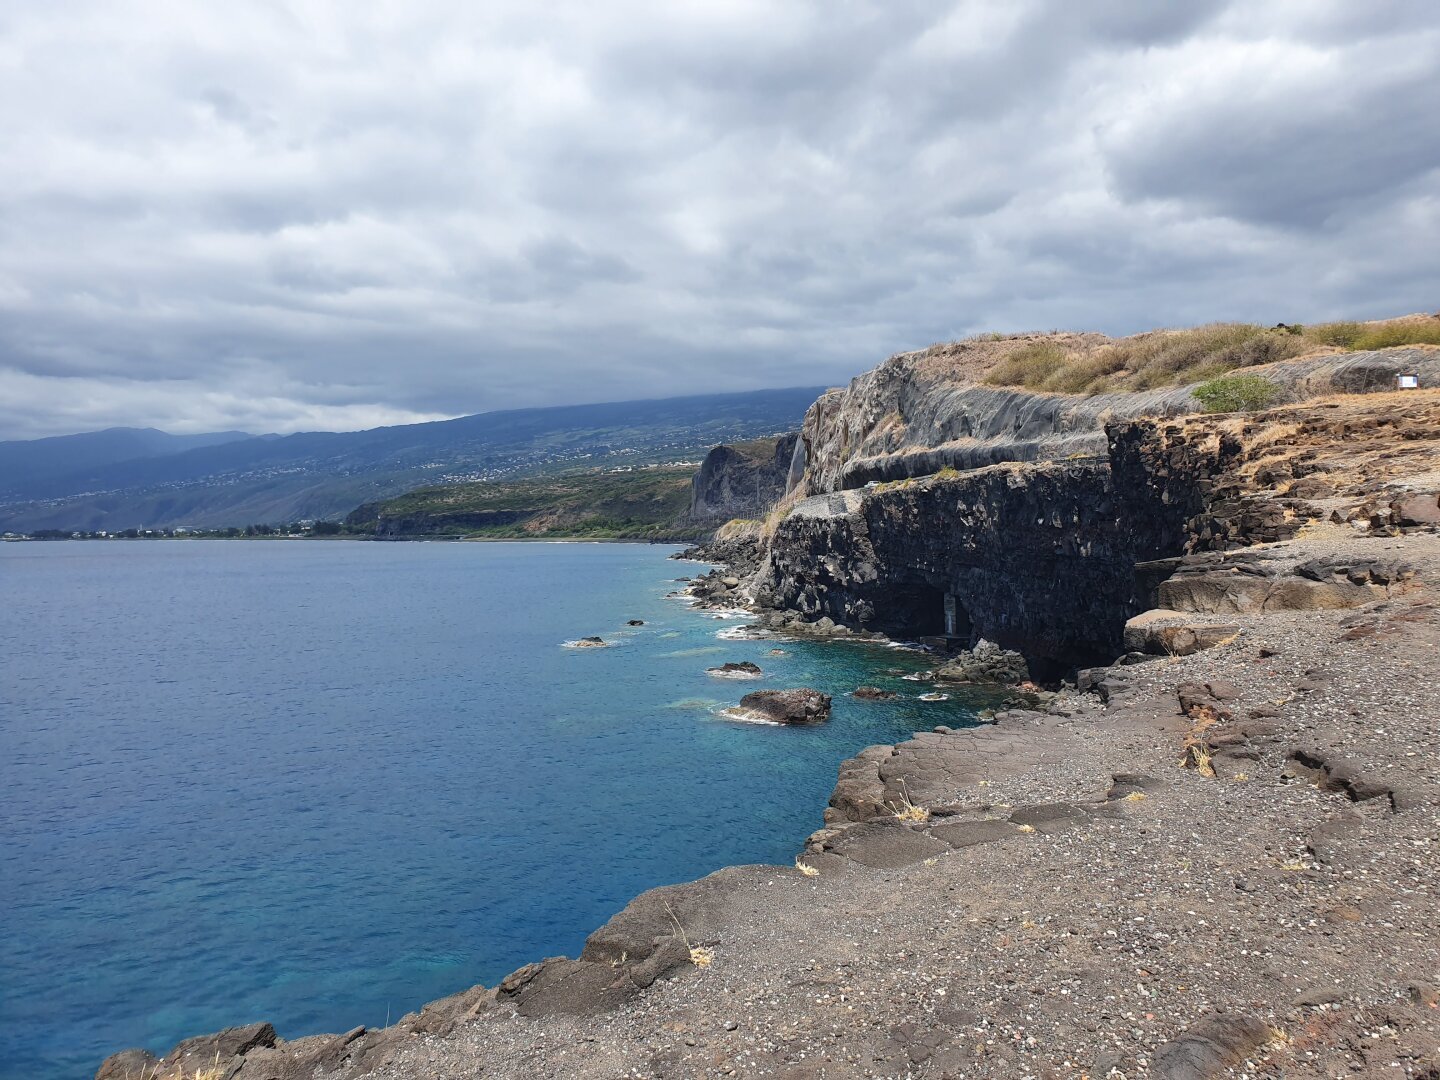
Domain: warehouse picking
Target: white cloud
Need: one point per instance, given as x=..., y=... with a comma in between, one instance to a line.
x=183, y=407
x=330, y=215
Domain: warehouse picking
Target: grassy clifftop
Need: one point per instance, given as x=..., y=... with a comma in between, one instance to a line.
x=1076, y=364
x=644, y=502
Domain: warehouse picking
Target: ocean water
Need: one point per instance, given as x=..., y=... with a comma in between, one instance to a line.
x=323, y=783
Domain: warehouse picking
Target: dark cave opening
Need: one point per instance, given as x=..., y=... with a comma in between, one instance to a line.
x=920, y=611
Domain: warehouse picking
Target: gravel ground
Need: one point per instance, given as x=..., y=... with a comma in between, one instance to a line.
x=1279, y=918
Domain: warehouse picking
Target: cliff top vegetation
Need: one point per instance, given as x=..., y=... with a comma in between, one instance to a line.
x=1093, y=364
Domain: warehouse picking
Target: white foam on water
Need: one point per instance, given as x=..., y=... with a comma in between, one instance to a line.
x=741, y=633
x=745, y=716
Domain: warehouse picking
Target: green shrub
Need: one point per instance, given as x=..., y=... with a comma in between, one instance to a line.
x=1238, y=393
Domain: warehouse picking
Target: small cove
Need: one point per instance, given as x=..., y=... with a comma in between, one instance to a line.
x=323, y=783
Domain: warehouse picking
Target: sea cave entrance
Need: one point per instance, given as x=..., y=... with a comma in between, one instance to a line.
x=921, y=611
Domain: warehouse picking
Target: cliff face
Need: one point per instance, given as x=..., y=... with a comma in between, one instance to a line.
x=741, y=481
x=1040, y=555
x=920, y=412
x=1224, y=482
x=1036, y=558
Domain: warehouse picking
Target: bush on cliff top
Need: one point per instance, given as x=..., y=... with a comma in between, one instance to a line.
x=1177, y=357
x=1360, y=337
x=1161, y=358
x=1389, y=335
x=1238, y=393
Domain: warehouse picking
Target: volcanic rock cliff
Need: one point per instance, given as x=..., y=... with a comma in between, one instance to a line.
x=1037, y=508
x=924, y=411
x=742, y=480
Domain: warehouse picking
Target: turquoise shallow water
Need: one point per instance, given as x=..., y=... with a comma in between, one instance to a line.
x=323, y=783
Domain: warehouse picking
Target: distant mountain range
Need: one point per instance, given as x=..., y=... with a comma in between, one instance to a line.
x=137, y=478
x=34, y=462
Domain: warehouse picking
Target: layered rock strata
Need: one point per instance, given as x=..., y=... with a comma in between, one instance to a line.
x=1052, y=558
x=920, y=412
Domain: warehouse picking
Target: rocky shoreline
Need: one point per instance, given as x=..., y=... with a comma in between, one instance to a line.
x=1065, y=899
x=1213, y=853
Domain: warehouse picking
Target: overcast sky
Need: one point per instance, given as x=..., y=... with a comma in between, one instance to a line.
x=287, y=216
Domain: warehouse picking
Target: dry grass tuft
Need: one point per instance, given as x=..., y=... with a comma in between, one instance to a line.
x=1197, y=755
x=909, y=811
x=1194, y=750
x=702, y=956
x=780, y=511
x=806, y=869
x=1026, y=828
x=736, y=528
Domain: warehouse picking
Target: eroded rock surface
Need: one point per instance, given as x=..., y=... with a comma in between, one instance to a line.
x=800, y=706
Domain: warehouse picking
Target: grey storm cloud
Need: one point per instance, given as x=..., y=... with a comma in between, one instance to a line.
x=285, y=216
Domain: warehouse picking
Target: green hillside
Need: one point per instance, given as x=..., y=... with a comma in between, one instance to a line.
x=641, y=502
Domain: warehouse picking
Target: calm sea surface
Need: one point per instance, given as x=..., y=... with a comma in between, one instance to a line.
x=323, y=783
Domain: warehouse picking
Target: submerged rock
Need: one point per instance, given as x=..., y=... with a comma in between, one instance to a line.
x=800, y=706
x=872, y=693
x=743, y=670
x=588, y=643
x=636, y=622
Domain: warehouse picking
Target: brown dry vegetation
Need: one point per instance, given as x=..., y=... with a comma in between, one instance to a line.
x=1072, y=364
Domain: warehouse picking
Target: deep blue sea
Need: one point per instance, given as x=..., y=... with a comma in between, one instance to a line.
x=322, y=783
